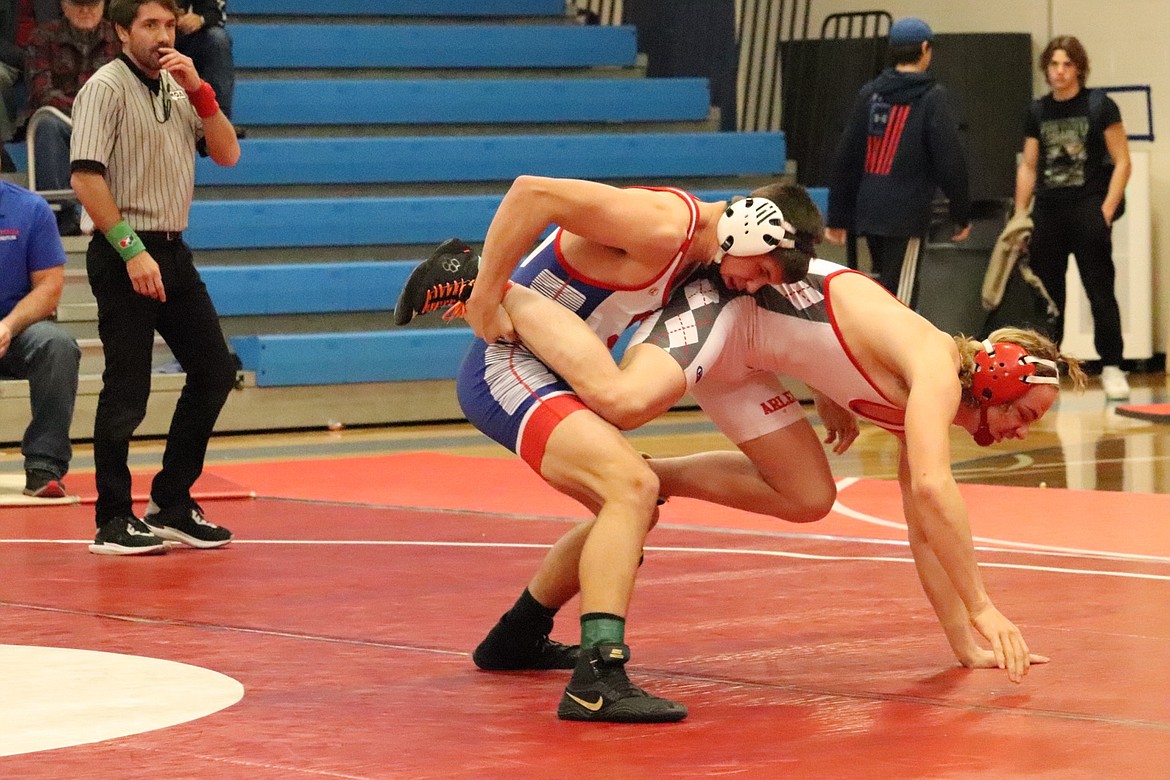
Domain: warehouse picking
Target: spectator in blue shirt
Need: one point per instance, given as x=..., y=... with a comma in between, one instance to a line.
x=32, y=345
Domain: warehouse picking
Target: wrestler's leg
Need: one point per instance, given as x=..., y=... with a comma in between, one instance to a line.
x=783, y=474
x=781, y=469
x=586, y=456
x=556, y=581
x=589, y=459
x=648, y=383
x=517, y=408
x=520, y=638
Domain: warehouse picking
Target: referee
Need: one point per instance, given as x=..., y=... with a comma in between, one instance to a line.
x=137, y=124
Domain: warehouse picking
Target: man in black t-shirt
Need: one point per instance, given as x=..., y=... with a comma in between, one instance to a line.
x=1076, y=163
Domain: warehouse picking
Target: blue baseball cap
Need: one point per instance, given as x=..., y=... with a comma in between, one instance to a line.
x=910, y=31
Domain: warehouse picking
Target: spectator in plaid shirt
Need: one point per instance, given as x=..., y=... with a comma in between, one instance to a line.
x=62, y=55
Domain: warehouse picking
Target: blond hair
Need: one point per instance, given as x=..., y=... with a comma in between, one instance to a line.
x=1032, y=342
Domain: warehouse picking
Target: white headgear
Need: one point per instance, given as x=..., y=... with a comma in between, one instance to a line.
x=754, y=226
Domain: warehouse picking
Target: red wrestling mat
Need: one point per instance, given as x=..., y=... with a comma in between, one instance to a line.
x=348, y=628
x=1152, y=412
x=208, y=487
x=801, y=650
x=1017, y=516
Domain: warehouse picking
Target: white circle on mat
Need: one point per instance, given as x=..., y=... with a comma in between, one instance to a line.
x=55, y=697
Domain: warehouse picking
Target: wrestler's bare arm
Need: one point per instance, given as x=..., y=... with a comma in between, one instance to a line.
x=840, y=424
x=648, y=383
x=937, y=517
x=622, y=225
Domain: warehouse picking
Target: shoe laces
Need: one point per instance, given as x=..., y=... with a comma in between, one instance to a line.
x=197, y=516
x=544, y=644
x=616, y=678
x=138, y=527
x=458, y=309
x=445, y=293
x=622, y=685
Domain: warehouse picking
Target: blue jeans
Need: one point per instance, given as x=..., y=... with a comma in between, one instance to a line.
x=47, y=356
x=51, y=147
x=211, y=50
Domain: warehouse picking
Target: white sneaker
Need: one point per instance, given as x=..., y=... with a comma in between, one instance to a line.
x=1113, y=380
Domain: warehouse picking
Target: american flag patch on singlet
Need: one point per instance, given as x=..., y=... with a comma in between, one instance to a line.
x=513, y=374
x=550, y=286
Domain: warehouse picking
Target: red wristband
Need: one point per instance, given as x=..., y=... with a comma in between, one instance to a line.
x=203, y=101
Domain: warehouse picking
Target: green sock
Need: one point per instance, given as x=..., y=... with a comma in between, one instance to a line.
x=602, y=627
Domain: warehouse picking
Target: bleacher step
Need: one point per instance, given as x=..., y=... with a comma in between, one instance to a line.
x=419, y=8
x=494, y=158
x=468, y=101
x=251, y=408
x=308, y=222
x=466, y=46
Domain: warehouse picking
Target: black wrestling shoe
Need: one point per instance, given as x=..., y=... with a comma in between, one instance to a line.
x=186, y=524
x=443, y=279
x=507, y=650
x=601, y=691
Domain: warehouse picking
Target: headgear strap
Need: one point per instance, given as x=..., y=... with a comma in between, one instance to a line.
x=1004, y=371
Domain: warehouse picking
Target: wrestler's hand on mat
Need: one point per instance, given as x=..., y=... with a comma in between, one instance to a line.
x=840, y=424
x=488, y=319
x=985, y=659
x=1007, y=643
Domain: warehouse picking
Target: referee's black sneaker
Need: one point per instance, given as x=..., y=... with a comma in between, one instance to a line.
x=506, y=649
x=443, y=279
x=601, y=691
x=185, y=523
x=126, y=535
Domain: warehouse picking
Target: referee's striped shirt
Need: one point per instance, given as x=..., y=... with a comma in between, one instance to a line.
x=141, y=134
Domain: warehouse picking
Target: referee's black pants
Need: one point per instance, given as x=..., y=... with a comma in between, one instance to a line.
x=127, y=322
x=1078, y=228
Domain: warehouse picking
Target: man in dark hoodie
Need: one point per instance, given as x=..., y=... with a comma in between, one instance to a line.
x=900, y=145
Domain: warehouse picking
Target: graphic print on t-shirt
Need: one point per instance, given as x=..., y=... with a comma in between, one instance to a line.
x=1065, y=152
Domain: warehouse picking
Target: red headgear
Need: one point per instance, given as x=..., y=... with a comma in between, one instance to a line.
x=1003, y=373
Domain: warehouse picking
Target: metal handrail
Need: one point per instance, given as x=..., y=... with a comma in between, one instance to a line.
x=30, y=137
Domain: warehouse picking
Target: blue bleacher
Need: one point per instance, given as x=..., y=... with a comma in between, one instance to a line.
x=284, y=104
x=345, y=358
x=341, y=358
x=306, y=288
x=400, y=7
x=433, y=46
x=643, y=156
x=468, y=101
x=320, y=222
